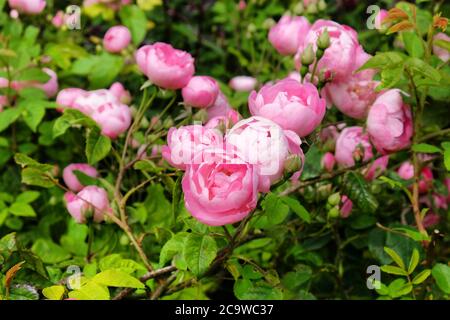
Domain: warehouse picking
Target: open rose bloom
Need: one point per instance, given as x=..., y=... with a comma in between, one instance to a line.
x=30, y=7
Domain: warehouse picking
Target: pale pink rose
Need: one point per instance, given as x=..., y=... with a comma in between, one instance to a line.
x=294, y=106
x=328, y=161
x=266, y=145
x=200, y=92
x=28, y=6
x=288, y=34
x=221, y=108
x=243, y=83
x=222, y=189
x=71, y=180
x=90, y=200
x=376, y=168
x=50, y=87
x=406, y=172
x=120, y=92
x=113, y=119
x=58, y=19
x=441, y=53
x=116, y=39
x=389, y=122
x=346, y=206
x=165, y=66
x=14, y=14
x=379, y=19
x=187, y=142
x=353, y=144
x=66, y=97
x=339, y=57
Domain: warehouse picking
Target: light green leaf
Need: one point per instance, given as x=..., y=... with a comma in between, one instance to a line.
x=8, y=116
x=21, y=209
x=199, y=252
x=446, y=146
x=172, y=247
x=116, y=278
x=97, y=146
x=421, y=277
x=397, y=259
x=441, y=273
x=274, y=208
x=295, y=206
x=28, y=196
x=394, y=270
x=134, y=18
x=425, y=148
x=54, y=292
x=414, y=261
x=91, y=291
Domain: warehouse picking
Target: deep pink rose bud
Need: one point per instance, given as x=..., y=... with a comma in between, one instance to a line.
x=353, y=144
x=328, y=161
x=186, y=143
x=266, y=145
x=339, y=57
x=220, y=189
x=243, y=83
x=200, y=92
x=165, y=66
x=292, y=105
x=377, y=168
x=406, y=172
x=346, y=206
x=30, y=7
x=440, y=52
x=116, y=39
x=90, y=200
x=288, y=34
x=58, y=19
x=71, y=180
x=389, y=122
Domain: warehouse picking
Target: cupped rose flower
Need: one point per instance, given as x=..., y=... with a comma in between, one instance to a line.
x=339, y=57
x=66, y=97
x=221, y=189
x=328, y=161
x=292, y=105
x=90, y=200
x=116, y=39
x=441, y=53
x=346, y=206
x=186, y=143
x=288, y=34
x=113, y=119
x=165, y=66
x=71, y=180
x=389, y=122
x=243, y=83
x=353, y=144
x=30, y=7
x=376, y=168
x=200, y=92
x=263, y=143
x=406, y=172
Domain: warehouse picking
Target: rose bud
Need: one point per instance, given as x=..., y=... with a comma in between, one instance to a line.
x=116, y=39
x=71, y=180
x=288, y=34
x=328, y=161
x=200, y=92
x=243, y=83
x=353, y=144
x=91, y=200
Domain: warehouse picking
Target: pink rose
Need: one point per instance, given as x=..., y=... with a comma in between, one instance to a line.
x=71, y=180
x=328, y=161
x=288, y=34
x=346, y=206
x=406, y=172
x=116, y=39
x=186, y=143
x=221, y=108
x=28, y=6
x=200, y=92
x=90, y=199
x=353, y=144
x=339, y=57
x=379, y=19
x=266, y=145
x=66, y=97
x=113, y=118
x=118, y=90
x=243, y=83
x=441, y=53
x=222, y=189
x=389, y=122
x=376, y=168
x=50, y=87
x=292, y=105
x=165, y=66
x=58, y=19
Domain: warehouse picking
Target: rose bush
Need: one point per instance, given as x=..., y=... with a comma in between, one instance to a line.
x=224, y=149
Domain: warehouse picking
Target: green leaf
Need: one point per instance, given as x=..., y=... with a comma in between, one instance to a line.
x=395, y=257
x=413, y=44
x=33, y=74
x=36, y=177
x=413, y=234
x=28, y=196
x=21, y=209
x=172, y=247
x=134, y=18
x=116, y=278
x=394, y=270
x=101, y=77
x=33, y=113
x=442, y=44
x=245, y=289
x=295, y=206
x=25, y=161
x=441, y=273
x=90, y=291
x=414, y=261
x=357, y=189
x=97, y=146
x=71, y=117
x=274, y=208
x=199, y=252
x=423, y=68
x=383, y=60
x=446, y=146
x=49, y=252
x=54, y=292
x=421, y=277
x=8, y=116
x=425, y=148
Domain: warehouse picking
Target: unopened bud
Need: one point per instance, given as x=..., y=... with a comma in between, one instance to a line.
x=303, y=71
x=168, y=123
x=334, y=199
x=319, y=53
x=333, y=212
x=307, y=56
x=324, y=40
